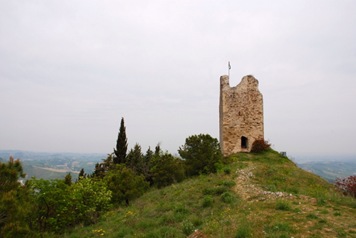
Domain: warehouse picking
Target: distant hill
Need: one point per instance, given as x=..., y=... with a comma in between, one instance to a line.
x=330, y=170
x=53, y=165
x=257, y=195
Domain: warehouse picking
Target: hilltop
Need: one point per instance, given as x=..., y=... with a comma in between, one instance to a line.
x=257, y=195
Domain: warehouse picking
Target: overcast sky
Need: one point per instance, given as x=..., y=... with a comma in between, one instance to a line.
x=70, y=69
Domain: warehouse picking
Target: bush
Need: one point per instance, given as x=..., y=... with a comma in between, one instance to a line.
x=201, y=153
x=283, y=205
x=166, y=169
x=59, y=206
x=188, y=227
x=347, y=185
x=227, y=171
x=260, y=145
x=227, y=197
x=208, y=201
x=215, y=190
x=243, y=231
x=125, y=184
x=15, y=201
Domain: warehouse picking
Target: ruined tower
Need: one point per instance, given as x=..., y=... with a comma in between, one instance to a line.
x=241, y=115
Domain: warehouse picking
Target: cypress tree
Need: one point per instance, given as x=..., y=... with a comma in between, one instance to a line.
x=81, y=174
x=121, y=145
x=68, y=179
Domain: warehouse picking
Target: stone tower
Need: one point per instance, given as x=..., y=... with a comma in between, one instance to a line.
x=241, y=115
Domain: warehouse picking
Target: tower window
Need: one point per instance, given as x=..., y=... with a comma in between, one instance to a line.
x=244, y=142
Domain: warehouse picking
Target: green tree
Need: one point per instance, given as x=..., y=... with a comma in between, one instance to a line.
x=135, y=159
x=158, y=149
x=10, y=174
x=147, y=164
x=55, y=210
x=121, y=145
x=125, y=184
x=166, y=169
x=68, y=179
x=90, y=198
x=102, y=168
x=60, y=206
x=81, y=174
x=201, y=153
x=15, y=204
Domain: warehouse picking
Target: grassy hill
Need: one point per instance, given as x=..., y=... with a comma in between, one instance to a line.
x=257, y=195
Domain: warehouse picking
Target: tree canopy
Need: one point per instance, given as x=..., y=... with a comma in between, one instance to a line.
x=201, y=154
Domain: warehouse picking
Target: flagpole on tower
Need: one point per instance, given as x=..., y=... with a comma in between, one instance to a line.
x=229, y=67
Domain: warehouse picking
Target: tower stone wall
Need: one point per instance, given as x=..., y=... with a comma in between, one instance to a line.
x=241, y=115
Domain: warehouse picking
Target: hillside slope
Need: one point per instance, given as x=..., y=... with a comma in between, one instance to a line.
x=257, y=195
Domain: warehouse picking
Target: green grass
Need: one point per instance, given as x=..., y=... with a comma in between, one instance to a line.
x=213, y=204
x=283, y=205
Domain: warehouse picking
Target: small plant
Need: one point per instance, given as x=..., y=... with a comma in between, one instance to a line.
x=337, y=214
x=320, y=200
x=243, y=231
x=208, y=201
x=312, y=216
x=282, y=229
x=227, y=197
x=260, y=145
x=227, y=170
x=283, y=205
x=228, y=184
x=215, y=191
x=99, y=232
x=347, y=185
x=188, y=227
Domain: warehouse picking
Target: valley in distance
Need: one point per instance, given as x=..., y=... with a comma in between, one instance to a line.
x=45, y=165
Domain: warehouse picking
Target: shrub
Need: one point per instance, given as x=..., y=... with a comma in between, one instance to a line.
x=227, y=197
x=215, y=190
x=227, y=170
x=166, y=169
x=243, y=231
x=283, y=205
x=59, y=206
x=188, y=227
x=228, y=184
x=201, y=154
x=260, y=145
x=125, y=184
x=347, y=185
x=207, y=201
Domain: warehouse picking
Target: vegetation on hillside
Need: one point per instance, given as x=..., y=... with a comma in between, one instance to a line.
x=347, y=185
x=155, y=194
x=257, y=195
x=14, y=202
x=56, y=206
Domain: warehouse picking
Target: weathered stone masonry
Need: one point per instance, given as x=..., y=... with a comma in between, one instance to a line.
x=241, y=115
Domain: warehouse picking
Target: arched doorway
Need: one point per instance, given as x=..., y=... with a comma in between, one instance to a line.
x=244, y=142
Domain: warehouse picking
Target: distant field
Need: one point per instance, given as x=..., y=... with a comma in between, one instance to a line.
x=53, y=165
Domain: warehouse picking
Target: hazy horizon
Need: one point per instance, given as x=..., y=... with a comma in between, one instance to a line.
x=295, y=158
